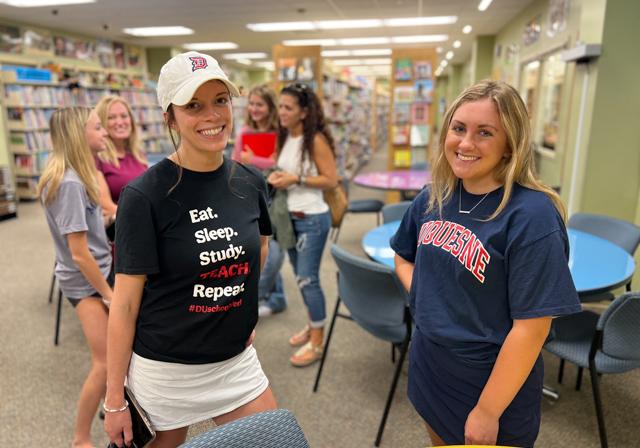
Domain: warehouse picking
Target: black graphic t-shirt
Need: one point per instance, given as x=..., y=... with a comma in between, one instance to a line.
x=200, y=249
x=473, y=277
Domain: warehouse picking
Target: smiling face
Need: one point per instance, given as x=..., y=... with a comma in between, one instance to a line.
x=119, y=122
x=476, y=145
x=290, y=113
x=258, y=109
x=96, y=135
x=205, y=122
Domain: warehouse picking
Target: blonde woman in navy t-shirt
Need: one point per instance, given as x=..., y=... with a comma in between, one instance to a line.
x=484, y=253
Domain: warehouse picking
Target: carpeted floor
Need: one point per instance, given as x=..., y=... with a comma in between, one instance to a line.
x=39, y=383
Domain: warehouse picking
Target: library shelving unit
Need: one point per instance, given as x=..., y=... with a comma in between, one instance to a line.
x=412, y=108
x=348, y=110
x=31, y=95
x=380, y=118
x=8, y=207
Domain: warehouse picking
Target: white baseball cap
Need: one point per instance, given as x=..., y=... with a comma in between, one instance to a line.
x=181, y=76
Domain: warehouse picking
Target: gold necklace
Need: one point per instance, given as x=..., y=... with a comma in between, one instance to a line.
x=466, y=212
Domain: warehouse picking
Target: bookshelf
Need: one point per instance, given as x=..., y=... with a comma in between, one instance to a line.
x=412, y=109
x=27, y=104
x=8, y=207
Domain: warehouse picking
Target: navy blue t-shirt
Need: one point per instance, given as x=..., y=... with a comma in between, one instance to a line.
x=472, y=278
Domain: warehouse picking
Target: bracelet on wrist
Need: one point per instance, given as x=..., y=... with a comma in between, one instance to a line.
x=113, y=411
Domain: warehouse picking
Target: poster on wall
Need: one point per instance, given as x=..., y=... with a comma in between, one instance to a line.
x=37, y=43
x=104, y=50
x=10, y=39
x=134, y=56
x=118, y=55
x=84, y=50
x=402, y=94
x=419, y=113
x=558, y=16
x=531, y=32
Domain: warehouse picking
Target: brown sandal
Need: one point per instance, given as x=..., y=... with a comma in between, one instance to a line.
x=306, y=355
x=301, y=337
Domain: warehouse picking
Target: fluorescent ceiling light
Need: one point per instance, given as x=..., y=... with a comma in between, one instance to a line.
x=342, y=24
x=369, y=40
x=457, y=44
x=444, y=63
x=362, y=62
x=347, y=62
x=467, y=29
x=243, y=61
x=420, y=38
x=449, y=54
x=372, y=52
x=364, y=41
x=419, y=21
x=37, y=3
x=152, y=31
x=245, y=55
x=348, y=24
x=267, y=65
x=303, y=42
x=484, y=4
x=203, y=46
x=281, y=26
x=335, y=53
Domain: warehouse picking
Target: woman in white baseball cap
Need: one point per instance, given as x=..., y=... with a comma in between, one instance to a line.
x=192, y=234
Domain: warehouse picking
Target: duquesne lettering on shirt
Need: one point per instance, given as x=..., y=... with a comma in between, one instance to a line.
x=460, y=242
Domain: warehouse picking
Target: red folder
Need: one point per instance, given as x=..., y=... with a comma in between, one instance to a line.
x=263, y=144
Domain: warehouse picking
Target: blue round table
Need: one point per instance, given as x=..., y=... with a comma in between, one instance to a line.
x=596, y=264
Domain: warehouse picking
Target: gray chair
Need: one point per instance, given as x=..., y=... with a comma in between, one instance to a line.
x=377, y=302
x=271, y=429
x=619, y=232
x=394, y=212
x=357, y=206
x=609, y=343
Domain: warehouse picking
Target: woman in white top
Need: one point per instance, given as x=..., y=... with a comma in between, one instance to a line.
x=307, y=165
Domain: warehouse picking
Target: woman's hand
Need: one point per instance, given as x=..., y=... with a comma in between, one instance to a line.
x=481, y=428
x=117, y=425
x=252, y=336
x=282, y=179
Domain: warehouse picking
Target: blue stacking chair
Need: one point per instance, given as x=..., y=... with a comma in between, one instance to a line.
x=271, y=429
x=609, y=343
x=394, y=212
x=378, y=303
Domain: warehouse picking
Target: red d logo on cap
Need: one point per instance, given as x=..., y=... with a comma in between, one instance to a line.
x=198, y=62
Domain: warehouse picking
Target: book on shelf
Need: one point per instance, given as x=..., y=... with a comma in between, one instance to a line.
x=419, y=157
x=402, y=94
x=419, y=135
x=401, y=113
x=403, y=69
x=400, y=134
x=419, y=113
x=422, y=69
x=287, y=69
x=306, y=69
x=423, y=90
x=402, y=158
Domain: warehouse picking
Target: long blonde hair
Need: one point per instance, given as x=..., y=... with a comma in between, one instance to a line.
x=70, y=150
x=518, y=168
x=132, y=145
x=268, y=96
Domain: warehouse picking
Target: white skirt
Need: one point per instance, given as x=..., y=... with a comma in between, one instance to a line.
x=178, y=395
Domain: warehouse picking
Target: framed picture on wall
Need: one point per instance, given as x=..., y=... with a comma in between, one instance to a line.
x=287, y=69
x=10, y=39
x=419, y=113
x=306, y=69
x=422, y=70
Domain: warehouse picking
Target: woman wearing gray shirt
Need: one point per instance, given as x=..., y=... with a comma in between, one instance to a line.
x=69, y=191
